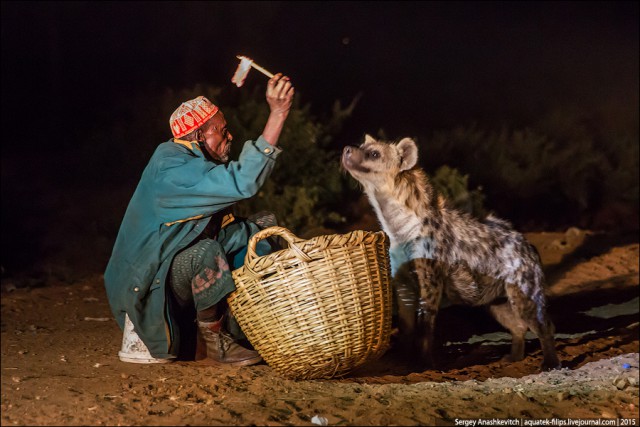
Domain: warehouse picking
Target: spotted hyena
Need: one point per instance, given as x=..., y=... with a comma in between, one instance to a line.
x=475, y=262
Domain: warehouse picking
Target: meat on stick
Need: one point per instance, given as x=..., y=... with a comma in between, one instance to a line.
x=243, y=69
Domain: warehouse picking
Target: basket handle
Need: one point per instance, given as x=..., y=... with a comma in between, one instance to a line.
x=287, y=235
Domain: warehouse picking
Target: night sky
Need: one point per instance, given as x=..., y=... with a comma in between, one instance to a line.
x=419, y=66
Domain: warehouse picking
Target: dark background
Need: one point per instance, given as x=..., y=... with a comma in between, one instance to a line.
x=419, y=66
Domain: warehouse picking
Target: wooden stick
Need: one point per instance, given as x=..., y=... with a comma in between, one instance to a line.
x=257, y=67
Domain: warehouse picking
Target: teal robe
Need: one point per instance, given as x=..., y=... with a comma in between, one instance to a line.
x=179, y=191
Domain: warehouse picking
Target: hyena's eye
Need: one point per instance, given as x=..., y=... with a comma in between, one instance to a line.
x=373, y=154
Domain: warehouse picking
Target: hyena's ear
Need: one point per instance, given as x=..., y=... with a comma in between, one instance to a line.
x=408, y=151
x=368, y=138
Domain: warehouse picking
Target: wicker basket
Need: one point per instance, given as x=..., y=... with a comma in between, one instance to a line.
x=319, y=308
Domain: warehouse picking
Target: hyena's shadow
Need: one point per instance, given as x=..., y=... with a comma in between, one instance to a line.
x=469, y=336
x=457, y=345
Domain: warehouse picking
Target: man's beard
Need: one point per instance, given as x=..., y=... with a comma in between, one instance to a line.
x=222, y=158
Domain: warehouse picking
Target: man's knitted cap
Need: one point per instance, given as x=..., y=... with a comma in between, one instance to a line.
x=190, y=115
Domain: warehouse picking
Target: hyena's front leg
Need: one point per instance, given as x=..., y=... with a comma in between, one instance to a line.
x=430, y=293
x=406, y=292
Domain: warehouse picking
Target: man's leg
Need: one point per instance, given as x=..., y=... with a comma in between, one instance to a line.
x=234, y=239
x=201, y=273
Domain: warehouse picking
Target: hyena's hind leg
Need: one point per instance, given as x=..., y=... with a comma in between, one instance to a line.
x=534, y=315
x=431, y=283
x=505, y=315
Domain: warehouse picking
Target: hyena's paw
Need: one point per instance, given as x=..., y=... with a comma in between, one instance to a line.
x=424, y=350
x=550, y=365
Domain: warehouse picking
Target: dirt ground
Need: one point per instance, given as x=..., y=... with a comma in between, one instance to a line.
x=60, y=361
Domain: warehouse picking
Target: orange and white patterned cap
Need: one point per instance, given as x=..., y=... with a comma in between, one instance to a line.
x=190, y=115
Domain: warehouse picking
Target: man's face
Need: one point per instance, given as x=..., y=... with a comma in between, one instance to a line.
x=217, y=138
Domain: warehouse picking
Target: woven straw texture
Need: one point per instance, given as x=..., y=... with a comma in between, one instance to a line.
x=320, y=307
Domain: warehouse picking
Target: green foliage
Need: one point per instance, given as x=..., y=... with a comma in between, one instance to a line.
x=306, y=189
x=551, y=172
x=564, y=165
x=455, y=188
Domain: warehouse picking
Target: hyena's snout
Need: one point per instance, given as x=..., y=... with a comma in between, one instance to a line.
x=351, y=157
x=348, y=153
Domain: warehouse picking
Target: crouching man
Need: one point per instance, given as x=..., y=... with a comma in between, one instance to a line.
x=179, y=241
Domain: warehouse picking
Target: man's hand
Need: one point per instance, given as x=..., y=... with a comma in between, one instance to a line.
x=280, y=94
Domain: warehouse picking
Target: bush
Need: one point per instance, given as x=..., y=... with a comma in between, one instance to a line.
x=454, y=186
x=306, y=189
x=559, y=172
x=563, y=168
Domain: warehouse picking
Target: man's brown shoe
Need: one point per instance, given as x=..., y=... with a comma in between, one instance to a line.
x=222, y=347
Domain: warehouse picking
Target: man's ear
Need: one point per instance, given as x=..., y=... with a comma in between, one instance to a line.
x=408, y=151
x=368, y=138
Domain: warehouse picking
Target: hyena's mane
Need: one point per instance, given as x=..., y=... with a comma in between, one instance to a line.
x=413, y=189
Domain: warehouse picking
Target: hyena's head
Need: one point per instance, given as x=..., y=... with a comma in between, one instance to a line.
x=375, y=164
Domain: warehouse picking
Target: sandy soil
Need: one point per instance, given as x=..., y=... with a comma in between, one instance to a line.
x=60, y=363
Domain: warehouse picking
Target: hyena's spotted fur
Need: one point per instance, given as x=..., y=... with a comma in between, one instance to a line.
x=473, y=262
